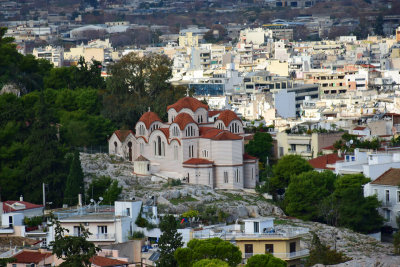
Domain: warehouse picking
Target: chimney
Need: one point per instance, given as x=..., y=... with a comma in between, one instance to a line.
x=21, y=198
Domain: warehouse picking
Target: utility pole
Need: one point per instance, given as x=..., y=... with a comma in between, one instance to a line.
x=44, y=194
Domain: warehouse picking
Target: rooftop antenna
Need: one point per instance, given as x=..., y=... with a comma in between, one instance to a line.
x=148, y=109
x=187, y=91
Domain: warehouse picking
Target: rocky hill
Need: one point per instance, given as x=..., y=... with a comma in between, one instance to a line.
x=235, y=205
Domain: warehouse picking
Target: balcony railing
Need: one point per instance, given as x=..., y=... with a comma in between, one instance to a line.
x=99, y=237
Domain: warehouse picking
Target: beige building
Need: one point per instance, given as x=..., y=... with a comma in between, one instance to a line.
x=306, y=145
x=53, y=54
x=188, y=39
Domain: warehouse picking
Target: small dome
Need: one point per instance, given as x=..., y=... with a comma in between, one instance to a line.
x=183, y=119
x=148, y=118
x=187, y=102
x=227, y=116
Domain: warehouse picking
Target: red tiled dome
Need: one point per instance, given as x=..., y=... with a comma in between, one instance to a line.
x=183, y=119
x=227, y=116
x=148, y=118
x=187, y=102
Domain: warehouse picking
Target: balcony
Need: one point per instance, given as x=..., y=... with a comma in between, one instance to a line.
x=99, y=237
x=6, y=230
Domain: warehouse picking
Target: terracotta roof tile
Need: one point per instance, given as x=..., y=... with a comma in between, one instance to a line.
x=165, y=131
x=8, y=205
x=187, y=102
x=227, y=116
x=212, y=113
x=329, y=148
x=106, y=262
x=321, y=161
x=390, y=177
x=27, y=256
x=247, y=156
x=197, y=161
x=359, y=128
x=123, y=134
x=217, y=134
x=183, y=119
x=148, y=118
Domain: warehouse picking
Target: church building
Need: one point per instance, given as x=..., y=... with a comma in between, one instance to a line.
x=197, y=145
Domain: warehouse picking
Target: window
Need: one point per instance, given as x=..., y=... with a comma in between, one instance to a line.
x=388, y=215
x=292, y=247
x=77, y=231
x=191, y=151
x=128, y=212
x=248, y=250
x=387, y=196
x=115, y=147
x=190, y=131
x=209, y=178
x=175, y=131
x=293, y=147
x=205, y=153
x=269, y=248
x=252, y=174
x=256, y=227
x=155, y=148
x=141, y=129
x=102, y=229
x=159, y=145
x=398, y=196
x=10, y=221
x=226, y=179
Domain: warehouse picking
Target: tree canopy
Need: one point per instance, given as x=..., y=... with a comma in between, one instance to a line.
x=265, y=260
x=212, y=248
x=260, y=146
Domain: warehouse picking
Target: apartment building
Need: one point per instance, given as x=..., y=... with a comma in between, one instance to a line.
x=386, y=188
x=53, y=54
x=329, y=83
x=306, y=145
x=107, y=224
x=261, y=236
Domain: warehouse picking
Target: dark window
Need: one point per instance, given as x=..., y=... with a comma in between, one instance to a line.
x=292, y=247
x=256, y=227
x=248, y=250
x=269, y=248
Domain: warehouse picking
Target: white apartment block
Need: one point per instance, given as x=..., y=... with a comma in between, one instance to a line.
x=53, y=54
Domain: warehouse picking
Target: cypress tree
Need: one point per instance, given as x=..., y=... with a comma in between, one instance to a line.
x=74, y=182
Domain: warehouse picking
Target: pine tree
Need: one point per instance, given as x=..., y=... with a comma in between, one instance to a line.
x=74, y=184
x=170, y=240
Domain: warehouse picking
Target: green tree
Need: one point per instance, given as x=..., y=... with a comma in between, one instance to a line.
x=212, y=248
x=76, y=251
x=137, y=83
x=74, y=184
x=287, y=167
x=104, y=187
x=320, y=253
x=265, y=260
x=210, y=263
x=356, y=212
x=169, y=241
x=260, y=146
x=306, y=191
x=396, y=242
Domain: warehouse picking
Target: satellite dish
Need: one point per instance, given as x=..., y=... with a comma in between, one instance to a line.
x=100, y=198
x=351, y=141
x=92, y=200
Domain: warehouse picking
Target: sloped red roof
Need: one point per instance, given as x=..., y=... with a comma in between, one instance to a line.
x=227, y=116
x=165, y=131
x=198, y=161
x=7, y=206
x=212, y=113
x=217, y=134
x=321, y=161
x=123, y=134
x=389, y=177
x=359, y=128
x=183, y=119
x=148, y=118
x=247, y=156
x=27, y=256
x=328, y=148
x=106, y=262
x=187, y=102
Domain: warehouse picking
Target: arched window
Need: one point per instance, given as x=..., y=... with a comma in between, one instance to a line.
x=155, y=148
x=141, y=129
x=115, y=147
x=159, y=145
x=163, y=149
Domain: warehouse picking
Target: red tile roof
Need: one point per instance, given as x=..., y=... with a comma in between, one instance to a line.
x=329, y=148
x=106, y=262
x=123, y=134
x=165, y=131
x=144, y=138
x=197, y=161
x=7, y=206
x=27, y=256
x=247, y=156
x=321, y=161
x=227, y=116
x=148, y=118
x=212, y=113
x=187, y=102
x=359, y=128
x=183, y=119
x=217, y=134
x=390, y=177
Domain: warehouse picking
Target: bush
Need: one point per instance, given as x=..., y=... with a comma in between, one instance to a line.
x=33, y=221
x=136, y=235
